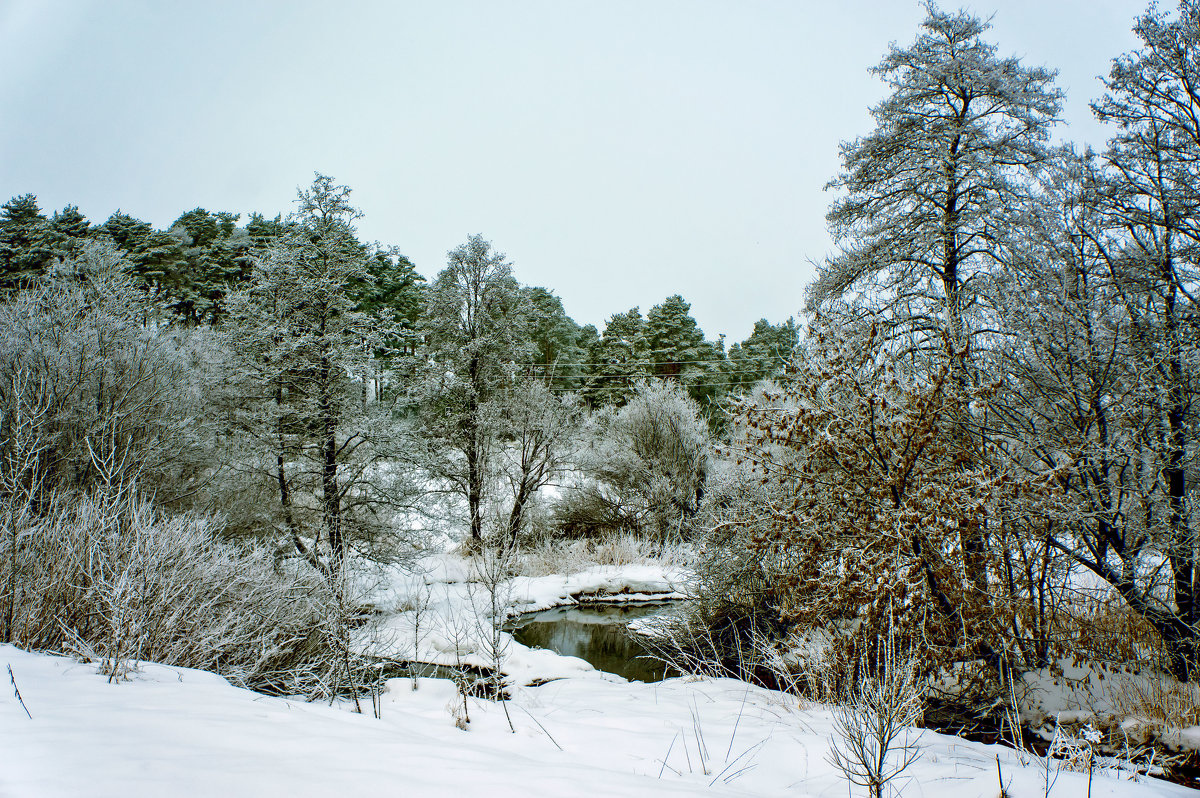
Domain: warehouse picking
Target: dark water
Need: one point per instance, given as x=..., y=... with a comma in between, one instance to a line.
x=596, y=633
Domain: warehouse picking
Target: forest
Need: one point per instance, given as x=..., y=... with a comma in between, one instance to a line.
x=971, y=465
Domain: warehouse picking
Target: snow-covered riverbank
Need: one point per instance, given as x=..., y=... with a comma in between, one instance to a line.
x=433, y=612
x=175, y=731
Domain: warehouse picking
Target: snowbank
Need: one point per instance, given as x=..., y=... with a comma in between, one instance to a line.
x=182, y=732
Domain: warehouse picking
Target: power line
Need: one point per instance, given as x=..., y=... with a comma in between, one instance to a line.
x=658, y=362
x=565, y=389
x=636, y=375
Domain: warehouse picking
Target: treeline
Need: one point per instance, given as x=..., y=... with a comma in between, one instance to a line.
x=189, y=270
x=186, y=405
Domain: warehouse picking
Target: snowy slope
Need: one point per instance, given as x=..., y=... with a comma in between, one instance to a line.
x=179, y=732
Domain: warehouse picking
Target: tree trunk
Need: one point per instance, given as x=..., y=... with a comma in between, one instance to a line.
x=331, y=500
x=1182, y=551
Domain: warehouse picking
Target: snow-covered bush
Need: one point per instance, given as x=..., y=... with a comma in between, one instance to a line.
x=107, y=577
x=736, y=590
x=93, y=393
x=645, y=470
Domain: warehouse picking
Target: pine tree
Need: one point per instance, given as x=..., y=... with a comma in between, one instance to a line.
x=763, y=355
x=25, y=242
x=931, y=193
x=934, y=195
x=619, y=359
x=394, y=292
x=216, y=259
x=69, y=229
x=679, y=352
x=303, y=352
x=555, y=335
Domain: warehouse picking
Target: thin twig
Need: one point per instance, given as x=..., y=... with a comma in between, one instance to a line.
x=17, y=692
x=543, y=728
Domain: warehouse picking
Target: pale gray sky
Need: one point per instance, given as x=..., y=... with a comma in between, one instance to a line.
x=618, y=151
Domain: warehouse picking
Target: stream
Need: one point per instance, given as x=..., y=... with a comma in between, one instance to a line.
x=597, y=633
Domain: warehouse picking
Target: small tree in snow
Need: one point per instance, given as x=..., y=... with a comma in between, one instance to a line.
x=875, y=739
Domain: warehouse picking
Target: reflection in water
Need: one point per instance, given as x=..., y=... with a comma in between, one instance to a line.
x=596, y=633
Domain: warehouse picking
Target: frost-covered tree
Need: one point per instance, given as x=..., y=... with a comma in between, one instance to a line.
x=646, y=467
x=302, y=351
x=1152, y=206
x=476, y=333
x=115, y=401
x=862, y=501
x=931, y=194
x=1067, y=419
x=538, y=426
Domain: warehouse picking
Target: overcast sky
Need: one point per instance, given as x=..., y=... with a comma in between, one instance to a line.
x=618, y=151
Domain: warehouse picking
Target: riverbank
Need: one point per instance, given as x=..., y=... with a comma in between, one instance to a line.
x=174, y=731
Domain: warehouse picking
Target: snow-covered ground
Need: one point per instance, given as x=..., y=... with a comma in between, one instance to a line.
x=453, y=620
x=172, y=731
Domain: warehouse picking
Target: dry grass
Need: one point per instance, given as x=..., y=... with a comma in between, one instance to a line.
x=1158, y=699
x=1103, y=628
x=551, y=556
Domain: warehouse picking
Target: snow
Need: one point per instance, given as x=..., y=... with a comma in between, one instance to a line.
x=174, y=731
x=1082, y=693
x=450, y=632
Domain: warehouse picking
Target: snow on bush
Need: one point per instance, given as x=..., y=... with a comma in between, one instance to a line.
x=107, y=577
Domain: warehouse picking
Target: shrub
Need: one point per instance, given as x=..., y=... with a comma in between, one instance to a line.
x=107, y=577
x=646, y=469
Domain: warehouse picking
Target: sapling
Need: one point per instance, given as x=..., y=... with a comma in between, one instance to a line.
x=418, y=607
x=457, y=630
x=875, y=742
x=492, y=572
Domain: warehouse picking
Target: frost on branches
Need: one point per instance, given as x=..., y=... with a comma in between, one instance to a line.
x=873, y=482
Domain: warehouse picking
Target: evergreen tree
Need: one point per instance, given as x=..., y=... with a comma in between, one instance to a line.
x=394, y=292
x=125, y=231
x=763, y=355
x=26, y=242
x=618, y=360
x=933, y=192
x=304, y=350
x=676, y=342
x=558, y=356
x=263, y=231
x=69, y=229
x=217, y=259
x=679, y=352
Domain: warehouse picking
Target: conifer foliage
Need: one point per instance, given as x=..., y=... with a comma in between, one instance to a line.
x=302, y=351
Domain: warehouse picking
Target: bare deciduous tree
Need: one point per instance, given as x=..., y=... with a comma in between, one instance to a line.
x=875, y=739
